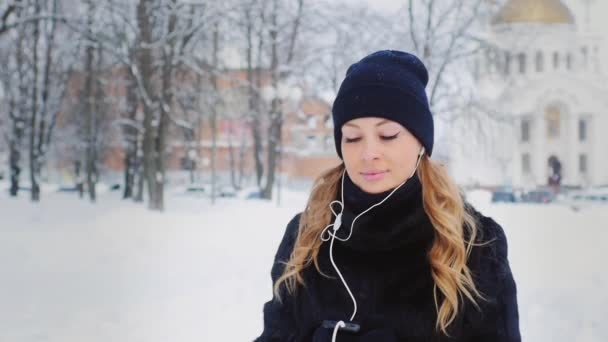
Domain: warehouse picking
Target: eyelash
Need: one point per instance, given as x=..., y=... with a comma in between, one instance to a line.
x=381, y=137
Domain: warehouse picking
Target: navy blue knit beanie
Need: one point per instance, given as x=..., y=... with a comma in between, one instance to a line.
x=388, y=84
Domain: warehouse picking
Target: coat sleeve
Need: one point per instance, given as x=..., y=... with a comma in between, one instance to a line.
x=279, y=321
x=502, y=321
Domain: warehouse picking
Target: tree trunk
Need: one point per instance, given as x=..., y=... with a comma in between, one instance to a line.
x=88, y=109
x=43, y=128
x=231, y=156
x=214, y=109
x=34, y=169
x=130, y=134
x=254, y=80
x=15, y=155
x=242, y=153
x=146, y=70
x=78, y=175
x=139, y=170
x=98, y=111
x=166, y=103
x=18, y=112
x=274, y=128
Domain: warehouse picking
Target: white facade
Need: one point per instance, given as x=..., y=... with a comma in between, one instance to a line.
x=546, y=81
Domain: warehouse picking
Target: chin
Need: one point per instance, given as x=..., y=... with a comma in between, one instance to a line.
x=374, y=188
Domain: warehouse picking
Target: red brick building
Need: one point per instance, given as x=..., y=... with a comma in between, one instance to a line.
x=308, y=146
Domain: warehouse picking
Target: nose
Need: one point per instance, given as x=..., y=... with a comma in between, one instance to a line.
x=371, y=150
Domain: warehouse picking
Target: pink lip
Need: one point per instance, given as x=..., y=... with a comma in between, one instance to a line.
x=374, y=175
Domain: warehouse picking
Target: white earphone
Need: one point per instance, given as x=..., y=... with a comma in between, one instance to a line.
x=350, y=326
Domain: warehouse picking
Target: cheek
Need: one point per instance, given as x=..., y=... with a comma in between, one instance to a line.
x=403, y=161
x=349, y=150
x=349, y=155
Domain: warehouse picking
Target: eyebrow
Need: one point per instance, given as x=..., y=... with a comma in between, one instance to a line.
x=378, y=124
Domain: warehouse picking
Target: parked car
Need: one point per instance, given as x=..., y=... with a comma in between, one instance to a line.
x=585, y=198
x=538, y=196
x=198, y=189
x=227, y=191
x=194, y=189
x=250, y=193
x=503, y=196
x=67, y=188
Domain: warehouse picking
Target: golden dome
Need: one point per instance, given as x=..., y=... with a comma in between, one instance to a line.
x=534, y=11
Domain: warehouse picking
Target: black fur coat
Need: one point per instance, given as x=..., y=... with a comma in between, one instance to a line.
x=386, y=266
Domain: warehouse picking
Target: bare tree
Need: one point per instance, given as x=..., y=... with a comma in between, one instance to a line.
x=131, y=133
x=254, y=13
x=89, y=111
x=14, y=81
x=214, y=114
x=280, y=65
x=47, y=84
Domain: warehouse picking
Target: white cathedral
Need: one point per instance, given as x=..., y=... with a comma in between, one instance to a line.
x=543, y=71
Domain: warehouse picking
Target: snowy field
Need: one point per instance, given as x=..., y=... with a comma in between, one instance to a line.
x=114, y=271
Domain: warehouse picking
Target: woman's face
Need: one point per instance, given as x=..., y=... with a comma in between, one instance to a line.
x=379, y=154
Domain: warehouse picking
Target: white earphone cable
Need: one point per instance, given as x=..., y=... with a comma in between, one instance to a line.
x=336, y=225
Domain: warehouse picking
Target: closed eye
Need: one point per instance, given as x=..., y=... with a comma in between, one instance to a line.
x=389, y=137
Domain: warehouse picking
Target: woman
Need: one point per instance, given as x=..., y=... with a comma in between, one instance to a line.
x=386, y=248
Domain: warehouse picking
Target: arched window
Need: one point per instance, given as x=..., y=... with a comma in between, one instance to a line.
x=525, y=163
x=582, y=129
x=525, y=130
x=582, y=163
x=553, y=116
x=521, y=58
x=540, y=62
x=585, y=54
x=507, y=63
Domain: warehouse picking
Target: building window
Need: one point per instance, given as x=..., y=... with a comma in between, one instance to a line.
x=582, y=130
x=540, y=62
x=311, y=142
x=569, y=61
x=552, y=115
x=521, y=58
x=525, y=130
x=555, y=60
x=507, y=63
x=585, y=53
x=186, y=163
x=328, y=122
x=525, y=163
x=312, y=122
x=329, y=142
x=582, y=163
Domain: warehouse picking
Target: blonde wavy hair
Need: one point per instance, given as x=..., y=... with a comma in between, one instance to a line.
x=448, y=255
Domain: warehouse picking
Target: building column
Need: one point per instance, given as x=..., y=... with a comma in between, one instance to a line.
x=572, y=174
x=538, y=156
x=595, y=139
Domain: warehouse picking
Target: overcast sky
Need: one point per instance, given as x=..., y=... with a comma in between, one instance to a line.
x=599, y=9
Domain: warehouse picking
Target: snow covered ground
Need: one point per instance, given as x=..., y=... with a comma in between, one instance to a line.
x=114, y=271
